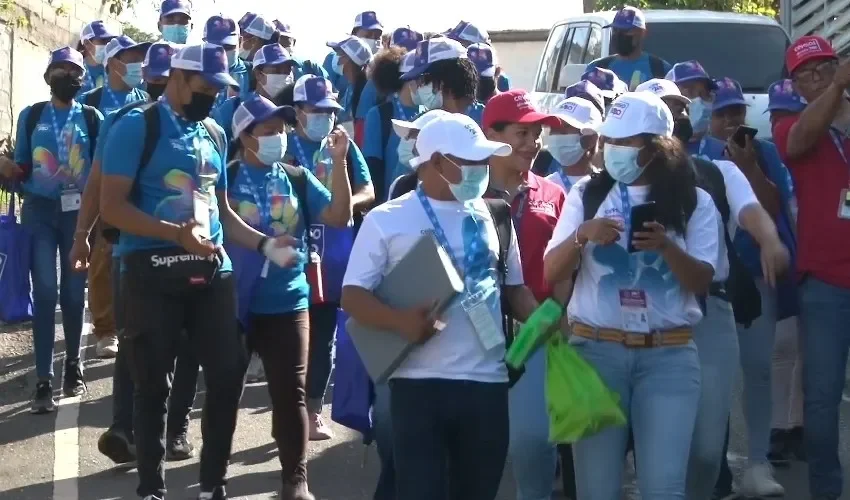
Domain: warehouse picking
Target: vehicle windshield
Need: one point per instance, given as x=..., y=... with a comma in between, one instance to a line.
x=752, y=54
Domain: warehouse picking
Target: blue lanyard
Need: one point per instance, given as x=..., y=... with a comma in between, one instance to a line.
x=399, y=109
x=302, y=157
x=188, y=143
x=112, y=96
x=520, y=209
x=836, y=139
x=63, y=147
x=264, y=205
x=438, y=229
x=701, y=146
x=627, y=208
x=565, y=180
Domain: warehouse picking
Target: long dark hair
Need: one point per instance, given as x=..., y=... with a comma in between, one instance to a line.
x=486, y=88
x=672, y=182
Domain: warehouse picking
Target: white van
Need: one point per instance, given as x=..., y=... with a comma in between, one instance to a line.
x=747, y=48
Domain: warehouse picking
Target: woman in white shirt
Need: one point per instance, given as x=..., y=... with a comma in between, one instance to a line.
x=635, y=302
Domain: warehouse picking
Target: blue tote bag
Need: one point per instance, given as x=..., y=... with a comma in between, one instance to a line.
x=353, y=390
x=15, y=249
x=247, y=268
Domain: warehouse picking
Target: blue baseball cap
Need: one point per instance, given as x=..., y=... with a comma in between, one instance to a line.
x=367, y=20
x=121, y=43
x=67, y=54
x=484, y=58
x=207, y=59
x=588, y=91
x=259, y=27
x=405, y=37
x=273, y=53
x=245, y=19
x=432, y=50
x=175, y=7
x=221, y=30
x=355, y=48
x=608, y=83
x=781, y=97
x=283, y=29
x=688, y=71
x=728, y=93
x=257, y=109
x=157, y=61
x=96, y=30
x=316, y=91
x=627, y=18
x=468, y=32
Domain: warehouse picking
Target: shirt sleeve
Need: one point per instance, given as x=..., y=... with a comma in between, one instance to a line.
x=591, y=65
x=368, y=99
x=702, y=235
x=318, y=197
x=221, y=183
x=572, y=215
x=123, y=146
x=102, y=135
x=776, y=170
x=223, y=115
x=359, y=168
x=739, y=192
x=369, y=256
x=780, y=132
x=23, y=151
x=514, y=264
x=372, y=141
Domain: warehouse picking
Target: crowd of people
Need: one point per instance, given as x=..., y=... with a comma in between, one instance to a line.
x=228, y=202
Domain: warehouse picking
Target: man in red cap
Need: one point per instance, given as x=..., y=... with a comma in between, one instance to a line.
x=816, y=148
x=536, y=202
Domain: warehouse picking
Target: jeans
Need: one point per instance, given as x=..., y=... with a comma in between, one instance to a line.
x=323, y=319
x=450, y=438
x=756, y=346
x=100, y=286
x=787, y=369
x=825, y=315
x=53, y=231
x=659, y=391
x=717, y=342
x=533, y=457
x=383, y=425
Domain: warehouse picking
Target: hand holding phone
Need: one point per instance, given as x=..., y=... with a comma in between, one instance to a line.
x=640, y=215
x=741, y=134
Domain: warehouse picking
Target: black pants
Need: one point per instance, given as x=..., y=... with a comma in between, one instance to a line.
x=450, y=438
x=322, y=335
x=154, y=319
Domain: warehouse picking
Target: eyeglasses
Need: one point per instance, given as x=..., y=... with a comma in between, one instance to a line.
x=820, y=72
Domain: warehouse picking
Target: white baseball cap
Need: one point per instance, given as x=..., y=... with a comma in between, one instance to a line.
x=457, y=135
x=636, y=113
x=663, y=88
x=402, y=128
x=579, y=113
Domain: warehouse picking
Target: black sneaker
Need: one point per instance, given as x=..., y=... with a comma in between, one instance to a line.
x=218, y=494
x=795, y=446
x=42, y=399
x=116, y=446
x=779, y=453
x=73, y=383
x=179, y=448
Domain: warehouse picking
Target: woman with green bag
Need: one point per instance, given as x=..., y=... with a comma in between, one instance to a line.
x=644, y=239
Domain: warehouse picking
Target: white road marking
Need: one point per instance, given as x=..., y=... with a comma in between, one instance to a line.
x=66, y=441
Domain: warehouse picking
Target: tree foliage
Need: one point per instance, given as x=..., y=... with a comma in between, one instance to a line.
x=768, y=8
x=138, y=35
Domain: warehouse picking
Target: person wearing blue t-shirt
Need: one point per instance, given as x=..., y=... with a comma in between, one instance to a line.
x=223, y=30
x=171, y=208
x=367, y=28
x=353, y=55
x=309, y=147
x=274, y=300
x=257, y=32
x=175, y=20
x=469, y=34
x=695, y=84
x=93, y=39
x=51, y=165
x=123, y=63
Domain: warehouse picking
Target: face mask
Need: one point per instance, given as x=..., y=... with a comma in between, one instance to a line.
x=337, y=64
x=99, y=53
x=699, y=113
x=275, y=83
x=271, y=148
x=199, y=107
x=132, y=74
x=683, y=130
x=175, y=33
x=624, y=44
x=318, y=125
x=231, y=57
x=155, y=90
x=244, y=54
x=405, y=151
x=425, y=96
x=374, y=45
x=621, y=163
x=567, y=149
x=65, y=87
x=473, y=182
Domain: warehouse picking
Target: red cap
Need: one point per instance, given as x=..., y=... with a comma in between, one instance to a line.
x=807, y=48
x=514, y=106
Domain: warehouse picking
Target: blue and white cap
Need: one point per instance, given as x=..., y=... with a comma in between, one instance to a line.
x=355, y=48
x=121, y=43
x=627, y=18
x=579, y=113
x=259, y=27
x=175, y=7
x=157, y=61
x=407, y=62
x=782, y=97
x=246, y=19
x=367, y=20
x=283, y=29
x=663, y=88
x=432, y=50
x=406, y=38
x=728, y=93
x=273, y=53
x=688, y=71
x=257, y=109
x=221, y=30
x=207, y=59
x=586, y=90
x=96, y=30
x=484, y=58
x=67, y=54
x=468, y=32
x=316, y=91
x=607, y=81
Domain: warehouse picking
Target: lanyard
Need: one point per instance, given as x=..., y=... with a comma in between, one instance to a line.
x=839, y=144
x=399, y=109
x=63, y=146
x=189, y=144
x=113, y=97
x=264, y=205
x=438, y=229
x=302, y=157
x=627, y=208
x=701, y=146
x=565, y=180
x=520, y=209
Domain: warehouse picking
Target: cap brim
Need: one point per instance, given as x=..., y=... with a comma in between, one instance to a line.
x=572, y=122
x=538, y=117
x=684, y=100
x=290, y=60
x=149, y=73
x=179, y=10
x=489, y=72
x=726, y=104
x=285, y=112
x=333, y=45
x=620, y=26
x=402, y=128
x=483, y=149
x=615, y=129
x=228, y=40
x=376, y=26
x=325, y=104
x=221, y=79
x=415, y=73
x=780, y=107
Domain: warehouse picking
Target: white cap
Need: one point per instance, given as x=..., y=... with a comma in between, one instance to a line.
x=663, y=88
x=407, y=62
x=579, y=113
x=457, y=135
x=402, y=128
x=636, y=113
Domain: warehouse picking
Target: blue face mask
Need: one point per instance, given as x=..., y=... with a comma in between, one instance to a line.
x=337, y=64
x=699, y=113
x=318, y=125
x=473, y=182
x=425, y=96
x=175, y=33
x=621, y=162
x=132, y=74
x=271, y=148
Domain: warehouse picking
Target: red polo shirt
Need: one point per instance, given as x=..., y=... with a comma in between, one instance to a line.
x=823, y=239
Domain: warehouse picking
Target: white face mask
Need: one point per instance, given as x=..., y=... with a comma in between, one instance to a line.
x=275, y=83
x=99, y=53
x=425, y=96
x=405, y=151
x=374, y=45
x=566, y=149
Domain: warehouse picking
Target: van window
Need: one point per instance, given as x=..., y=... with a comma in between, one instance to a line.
x=594, y=44
x=759, y=50
x=574, y=51
x=549, y=62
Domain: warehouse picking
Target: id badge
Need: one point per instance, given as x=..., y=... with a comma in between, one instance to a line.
x=201, y=204
x=71, y=199
x=489, y=332
x=634, y=310
x=844, y=205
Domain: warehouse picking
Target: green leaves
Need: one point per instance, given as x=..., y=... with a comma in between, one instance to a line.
x=764, y=7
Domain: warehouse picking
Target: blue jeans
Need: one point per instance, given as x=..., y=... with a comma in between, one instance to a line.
x=659, y=391
x=756, y=343
x=825, y=315
x=53, y=231
x=382, y=421
x=717, y=341
x=533, y=456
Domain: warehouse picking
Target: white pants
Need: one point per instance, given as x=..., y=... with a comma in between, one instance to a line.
x=787, y=376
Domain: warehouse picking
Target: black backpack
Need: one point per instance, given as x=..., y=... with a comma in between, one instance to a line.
x=378, y=170
x=297, y=176
x=656, y=65
x=542, y=163
x=89, y=114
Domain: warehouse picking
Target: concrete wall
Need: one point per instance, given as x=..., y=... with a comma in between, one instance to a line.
x=519, y=60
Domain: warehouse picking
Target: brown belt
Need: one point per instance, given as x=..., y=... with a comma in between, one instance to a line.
x=658, y=338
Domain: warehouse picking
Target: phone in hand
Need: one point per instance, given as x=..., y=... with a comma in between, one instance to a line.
x=639, y=215
x=742, y=132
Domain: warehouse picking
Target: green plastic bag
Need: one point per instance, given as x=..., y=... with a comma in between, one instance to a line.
x=578, y=401
x=533, y=334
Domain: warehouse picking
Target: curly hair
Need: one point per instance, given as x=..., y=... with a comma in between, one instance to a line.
x=456, y=76
x=385, y=66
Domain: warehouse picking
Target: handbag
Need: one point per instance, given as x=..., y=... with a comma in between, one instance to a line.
x=15, y=250
x=354, y=391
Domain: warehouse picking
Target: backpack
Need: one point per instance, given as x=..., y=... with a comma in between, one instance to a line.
x=93, y=97
x=89, y=114
x=297, y=176
x=542, y=163
x=656, y=65
x=385, y=110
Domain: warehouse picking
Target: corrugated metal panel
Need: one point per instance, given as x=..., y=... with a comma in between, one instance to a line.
x=828, y=18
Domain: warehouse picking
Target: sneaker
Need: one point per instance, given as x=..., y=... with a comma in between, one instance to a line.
x=42, y=399
x=179, y=448
x=319, y=430
x=217, y=494
x=152, y=497
x=73, y=383
x=295, y=491
x=796, y=447
x=116, y=446
x=256, y=372
x=107, y=347
x=779, y=453
x=757, y=481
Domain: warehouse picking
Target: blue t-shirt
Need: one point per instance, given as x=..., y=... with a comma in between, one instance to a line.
x=368, y=99
x=51, y=173
x=708, y=148
x=633, y=72
x=110, y=100
x=503, y=83
x=476, y=112
x=223, y=115
x=373, y=148
x=185, y=160
x=339, y=82
x=95, y=77
x=283, y=289
x=239, y=73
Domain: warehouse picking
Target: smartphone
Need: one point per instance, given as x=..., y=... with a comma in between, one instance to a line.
x=741, y=133
x=640, y=214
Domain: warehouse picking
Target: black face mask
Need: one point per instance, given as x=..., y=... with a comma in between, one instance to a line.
x=683, y=130
x=199, y=107
x=65, y=87
x=624, y=44
x=155, y=90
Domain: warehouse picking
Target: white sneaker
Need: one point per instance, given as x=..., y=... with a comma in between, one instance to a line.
x=256, y=372
x=319, y=430
x=107, y=347
x=757, y=481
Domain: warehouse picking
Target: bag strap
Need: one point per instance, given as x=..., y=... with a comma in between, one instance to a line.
x=93, y=97
x=500, y=212
x=216, y=135
x=151, y=116
x=404, y=184
x=656, y=66
x=541, y=163
x=593, y=196
x=32, y=119
x=93, y=127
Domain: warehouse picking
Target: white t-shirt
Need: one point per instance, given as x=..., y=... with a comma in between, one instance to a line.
x=605, y=270
x=388, y=232
x=739, y=194
x=557, y=179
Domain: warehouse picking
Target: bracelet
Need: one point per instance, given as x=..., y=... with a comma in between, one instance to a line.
x=577, y=242
x=261, y=244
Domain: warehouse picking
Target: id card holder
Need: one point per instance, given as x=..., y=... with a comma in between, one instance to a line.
x=477, y=309
x=71, y=199
x=844, y=205
x=202, y=209
x=635, y=311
